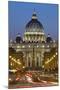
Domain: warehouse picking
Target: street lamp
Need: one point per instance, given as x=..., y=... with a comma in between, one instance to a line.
x=23, y=67
x=10, y=56
x=11, y=64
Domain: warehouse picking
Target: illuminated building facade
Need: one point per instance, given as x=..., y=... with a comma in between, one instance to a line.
x=34, y=44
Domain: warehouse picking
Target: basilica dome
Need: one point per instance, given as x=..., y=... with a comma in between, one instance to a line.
x=34, y=30
x=49, y=39
x=18, y=38
x=34, y=25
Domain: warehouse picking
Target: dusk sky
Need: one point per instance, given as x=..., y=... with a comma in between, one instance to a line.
x=20, y=13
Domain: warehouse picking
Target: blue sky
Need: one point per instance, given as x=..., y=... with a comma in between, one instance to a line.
x=19, y=14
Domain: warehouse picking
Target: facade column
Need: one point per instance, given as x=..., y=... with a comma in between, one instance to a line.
x=27, y=60
x=30, y=62
x=42, y=58
x=24, y=58
x=39, y=59
x=35, y=59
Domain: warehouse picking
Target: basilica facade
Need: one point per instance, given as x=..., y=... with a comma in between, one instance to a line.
x=33, y=44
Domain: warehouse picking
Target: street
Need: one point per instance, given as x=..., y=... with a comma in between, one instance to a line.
x=34, y=80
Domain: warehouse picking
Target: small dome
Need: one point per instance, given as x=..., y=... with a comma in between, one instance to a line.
x=18, y=38
x=34, y=25
x=48, y=39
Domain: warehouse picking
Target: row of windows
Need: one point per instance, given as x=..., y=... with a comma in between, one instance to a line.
x=31, y=45
x=34, y=38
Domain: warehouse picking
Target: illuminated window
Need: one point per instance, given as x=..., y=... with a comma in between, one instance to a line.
x=29, y=45
x=18, y=46
x=48, y=46
x=23, y=46
x=43, y=46
x=37, y=46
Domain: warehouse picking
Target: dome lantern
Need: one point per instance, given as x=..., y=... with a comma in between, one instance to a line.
x=34, y=16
